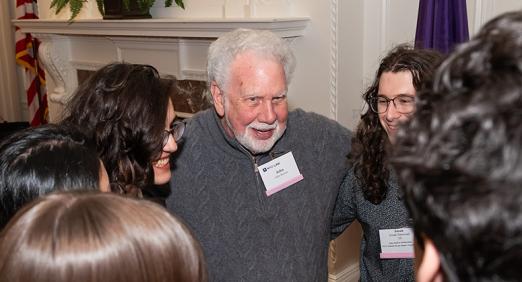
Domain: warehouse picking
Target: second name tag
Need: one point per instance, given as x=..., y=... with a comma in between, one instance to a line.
x=396, y=243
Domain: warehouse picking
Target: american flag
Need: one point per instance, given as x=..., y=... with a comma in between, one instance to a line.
x=27, y=57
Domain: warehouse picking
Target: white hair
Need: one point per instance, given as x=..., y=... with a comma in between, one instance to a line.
x=224, y=50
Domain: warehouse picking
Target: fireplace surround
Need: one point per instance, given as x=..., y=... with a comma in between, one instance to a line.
x=175, y=47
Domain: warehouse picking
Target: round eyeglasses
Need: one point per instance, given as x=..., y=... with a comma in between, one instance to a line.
x=176, y=130
x=404, y=104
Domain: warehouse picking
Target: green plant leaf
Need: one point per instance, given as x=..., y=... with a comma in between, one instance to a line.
x=75, y=7
x=180, y=4
x=126, y=4
x=101, y=8
x=148, y=4
x=143, y=5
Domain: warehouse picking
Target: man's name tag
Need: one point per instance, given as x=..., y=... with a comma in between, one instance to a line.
x=280, y=173
x=396, y=243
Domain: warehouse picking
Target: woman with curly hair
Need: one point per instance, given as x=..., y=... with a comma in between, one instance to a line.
x=127, y=111
x=370, y=191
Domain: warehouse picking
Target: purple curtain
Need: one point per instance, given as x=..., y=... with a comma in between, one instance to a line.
x=441, y=24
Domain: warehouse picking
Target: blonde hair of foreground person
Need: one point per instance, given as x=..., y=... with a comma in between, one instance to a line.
x=98, y=237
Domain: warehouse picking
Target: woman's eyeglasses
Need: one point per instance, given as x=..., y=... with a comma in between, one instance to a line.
x=176, y=130
x=404, y=104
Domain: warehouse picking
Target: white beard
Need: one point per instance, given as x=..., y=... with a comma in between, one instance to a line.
x=256, y=146
x=245, y=138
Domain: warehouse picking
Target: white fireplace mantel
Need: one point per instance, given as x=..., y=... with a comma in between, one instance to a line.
x=175, y=47
x=191, y=28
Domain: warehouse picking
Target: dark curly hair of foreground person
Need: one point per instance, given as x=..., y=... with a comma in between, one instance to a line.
x=460, y=158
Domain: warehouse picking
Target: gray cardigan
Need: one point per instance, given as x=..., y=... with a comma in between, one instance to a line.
x=391, y=213
x=246, y=235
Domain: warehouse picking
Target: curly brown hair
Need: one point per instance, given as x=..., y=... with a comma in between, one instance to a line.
x=122, y=108
x=370, y=146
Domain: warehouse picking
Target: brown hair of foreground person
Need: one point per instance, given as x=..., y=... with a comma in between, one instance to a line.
x=98, y=237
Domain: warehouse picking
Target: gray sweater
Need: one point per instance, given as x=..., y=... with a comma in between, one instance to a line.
x=246, y=235
x=391, y=213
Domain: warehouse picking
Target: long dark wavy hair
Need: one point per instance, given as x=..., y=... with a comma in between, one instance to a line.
x=122, y=108
x=370, y=146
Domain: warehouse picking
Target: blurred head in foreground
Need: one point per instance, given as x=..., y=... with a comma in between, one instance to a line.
x=98, y=237
x=460, y=158
x=37, y=161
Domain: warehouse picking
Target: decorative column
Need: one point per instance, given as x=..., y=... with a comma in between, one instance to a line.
x=54, y=53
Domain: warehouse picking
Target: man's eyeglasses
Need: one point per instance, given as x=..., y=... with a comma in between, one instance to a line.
x=404, y=104
x=176, y=130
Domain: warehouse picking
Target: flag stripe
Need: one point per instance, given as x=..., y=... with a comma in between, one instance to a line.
x=26, y=57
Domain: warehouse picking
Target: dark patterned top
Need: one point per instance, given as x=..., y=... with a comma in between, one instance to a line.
x=391, y=213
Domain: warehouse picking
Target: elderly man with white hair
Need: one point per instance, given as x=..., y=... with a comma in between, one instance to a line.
x=255, y=182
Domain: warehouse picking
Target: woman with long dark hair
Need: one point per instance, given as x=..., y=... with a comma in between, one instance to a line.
x=127, y=111
x=370, y=191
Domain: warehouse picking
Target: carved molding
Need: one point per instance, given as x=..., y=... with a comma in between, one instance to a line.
x=384, y=25
x=334, y=55
x=350, y=273
x=332, y=252
x=182, y=58
x=54, y=54
x=484, y=10
x=180, y=45
x=87, y=65
x=193, y=74
x=191, y=28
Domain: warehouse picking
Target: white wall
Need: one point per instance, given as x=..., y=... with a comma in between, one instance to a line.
x=481, y=11
x=345, y=41
x=341, y=49
x=310, y=87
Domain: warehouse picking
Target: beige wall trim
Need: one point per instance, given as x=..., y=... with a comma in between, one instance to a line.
x=349, y=274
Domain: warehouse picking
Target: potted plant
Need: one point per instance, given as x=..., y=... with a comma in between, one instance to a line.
x=114, y=9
